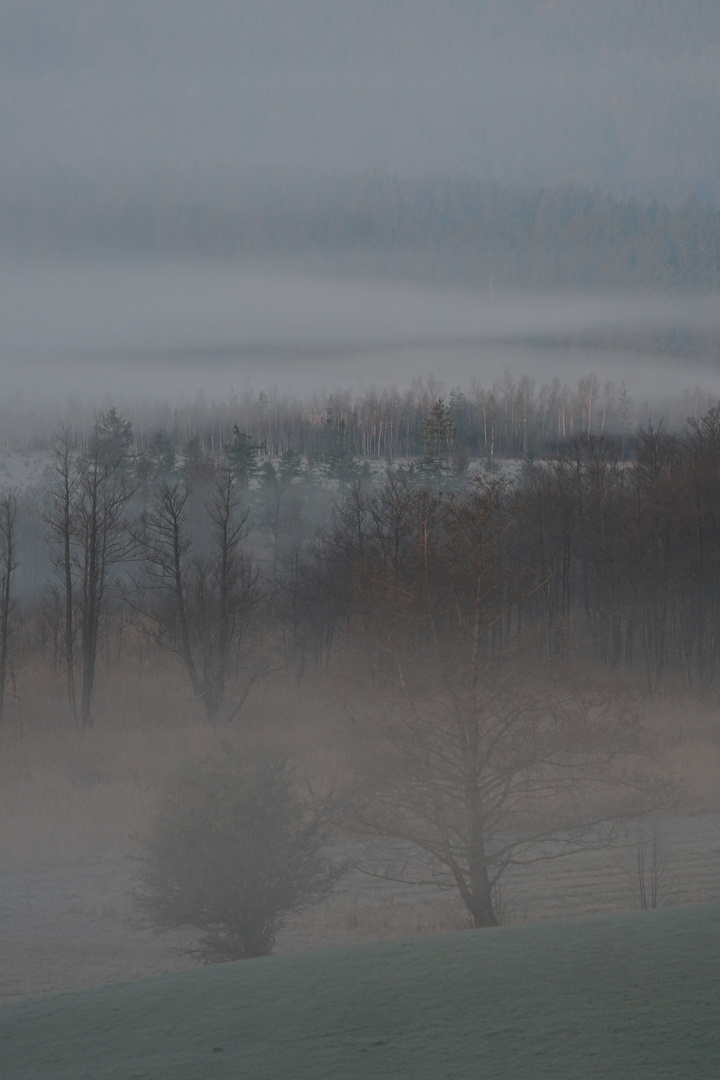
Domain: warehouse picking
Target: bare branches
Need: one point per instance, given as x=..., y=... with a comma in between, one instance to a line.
x=88, y=535
x=8, y=565
x=202, y=604
x=486, y=763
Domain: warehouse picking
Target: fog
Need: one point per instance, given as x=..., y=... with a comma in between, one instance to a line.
x=165, y=331
x=116, y=115
x=109, y=110
x=198, y=200
x=622, y=93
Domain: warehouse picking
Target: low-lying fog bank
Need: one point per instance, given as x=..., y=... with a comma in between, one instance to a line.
x=163, y=331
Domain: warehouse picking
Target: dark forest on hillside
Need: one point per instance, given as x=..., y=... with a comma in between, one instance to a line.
x=441, y=229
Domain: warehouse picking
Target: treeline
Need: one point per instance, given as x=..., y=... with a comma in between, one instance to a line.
x=435, y=228
x=592, y=554
x=629, y=553
x=237, y=565
x=511, y=418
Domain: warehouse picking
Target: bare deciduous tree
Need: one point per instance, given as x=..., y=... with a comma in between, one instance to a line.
x=650, y=867
x=478, y=784
x=59, y=519
x=8, y=565
x=88, y=534
x=202, y=606
x=485, y=762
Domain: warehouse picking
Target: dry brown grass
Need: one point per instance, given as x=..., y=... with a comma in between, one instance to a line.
x=71, y=802
x=67, y=794
x=688, y=732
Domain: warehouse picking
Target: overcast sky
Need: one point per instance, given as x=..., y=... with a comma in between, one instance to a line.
x=620, y=92
x=624, y=94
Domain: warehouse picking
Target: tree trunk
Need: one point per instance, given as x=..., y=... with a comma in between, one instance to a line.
x=483, y=909
x=8, y=521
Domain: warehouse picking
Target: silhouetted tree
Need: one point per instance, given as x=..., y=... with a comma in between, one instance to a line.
x=202, y=605
x=483, y=762
x=438, y=437
x=8, y=565
x=88, y=534
x=242, y=456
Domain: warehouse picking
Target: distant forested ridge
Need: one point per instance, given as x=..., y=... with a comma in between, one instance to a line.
x=446, y=229
x=511, y=419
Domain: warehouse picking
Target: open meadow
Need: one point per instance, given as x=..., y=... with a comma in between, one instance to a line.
x=73, y=803
x=622, y=997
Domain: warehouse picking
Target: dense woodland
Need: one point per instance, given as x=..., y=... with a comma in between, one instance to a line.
x=239, y=553
x=457, y=231
x=466, y=612
x=437, y=228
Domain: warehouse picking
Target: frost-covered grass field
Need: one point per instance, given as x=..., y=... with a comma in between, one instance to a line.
x=622, y=997
x=72, y=804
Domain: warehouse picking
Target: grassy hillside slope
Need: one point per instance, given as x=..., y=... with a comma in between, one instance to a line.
x=628, y=996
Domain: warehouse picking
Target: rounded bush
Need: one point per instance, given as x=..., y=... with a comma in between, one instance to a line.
x=234, y=848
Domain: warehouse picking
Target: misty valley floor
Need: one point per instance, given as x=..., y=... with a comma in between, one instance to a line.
x=73, y=925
